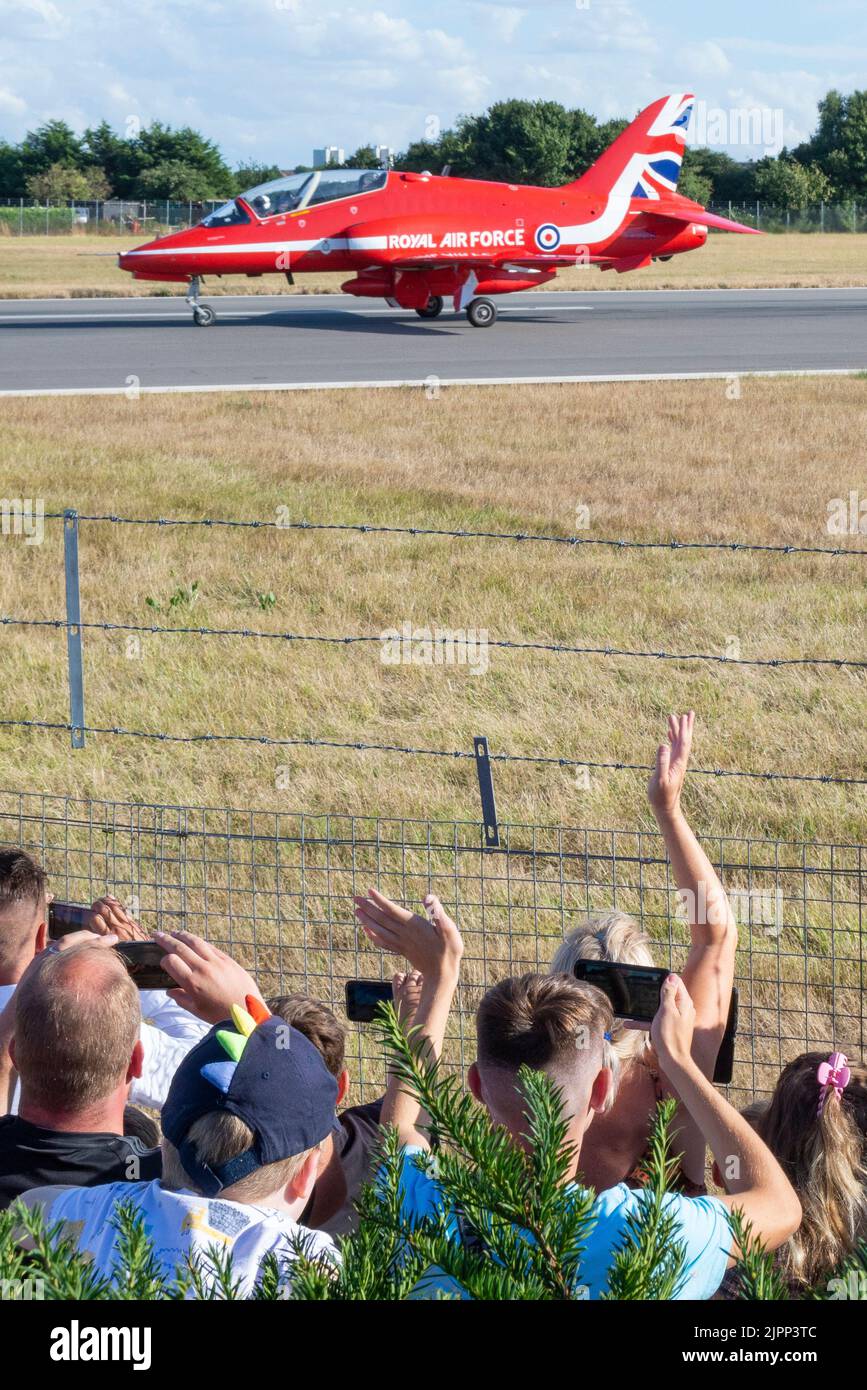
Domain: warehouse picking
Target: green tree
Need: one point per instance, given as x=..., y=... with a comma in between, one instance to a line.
x=53, y=143
x=729, y=180
x=695, y=185
x=11, y=171
x=839, y=146
x=159, y=145
x=786, y=183
x=111, y=153
x=365, y=157
x=56, y=183
x=175, y=178
x=97, y=182
x=522, y=142
x=249, y=175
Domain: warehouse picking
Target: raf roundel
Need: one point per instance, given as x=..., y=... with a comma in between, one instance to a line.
x=548, y=237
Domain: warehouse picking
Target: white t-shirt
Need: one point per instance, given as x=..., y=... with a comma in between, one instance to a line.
x=181, y=1224
x=167, y=1034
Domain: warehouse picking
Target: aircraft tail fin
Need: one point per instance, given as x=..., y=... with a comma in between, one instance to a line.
x=645, y=161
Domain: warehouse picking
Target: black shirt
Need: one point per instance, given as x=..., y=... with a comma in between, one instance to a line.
x=31, y=1156
x=356, y=1135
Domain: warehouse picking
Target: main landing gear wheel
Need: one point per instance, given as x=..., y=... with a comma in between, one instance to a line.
x=432, y=309
x=482, y=313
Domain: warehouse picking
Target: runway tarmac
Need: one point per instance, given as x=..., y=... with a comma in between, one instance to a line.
x=106, y=346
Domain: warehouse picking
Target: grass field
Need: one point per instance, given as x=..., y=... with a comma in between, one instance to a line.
x=72, y=266
x=689, y=463
x=700, y=466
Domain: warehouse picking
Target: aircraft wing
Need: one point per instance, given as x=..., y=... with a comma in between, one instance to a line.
x=685, y=211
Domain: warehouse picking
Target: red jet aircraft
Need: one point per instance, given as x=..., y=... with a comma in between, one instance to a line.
x=415, y=239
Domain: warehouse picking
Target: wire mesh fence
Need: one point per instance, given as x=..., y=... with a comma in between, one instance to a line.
x=63, y=216
x=275, y=889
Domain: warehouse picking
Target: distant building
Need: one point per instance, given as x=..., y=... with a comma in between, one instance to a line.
x=385, y=155
x=331, y=154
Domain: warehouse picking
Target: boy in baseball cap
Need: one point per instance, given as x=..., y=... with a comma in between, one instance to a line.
x=247, y=1128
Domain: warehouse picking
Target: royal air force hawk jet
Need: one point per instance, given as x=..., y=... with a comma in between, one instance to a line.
x=417, y=240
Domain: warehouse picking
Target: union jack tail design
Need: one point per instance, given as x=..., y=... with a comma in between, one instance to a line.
x=645, y=161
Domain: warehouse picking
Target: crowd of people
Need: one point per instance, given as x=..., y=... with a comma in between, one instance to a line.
x=224, y=1117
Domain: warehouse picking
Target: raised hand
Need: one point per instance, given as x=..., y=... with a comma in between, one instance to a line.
x=431, y=944
x=108, y=916
x=672, y=760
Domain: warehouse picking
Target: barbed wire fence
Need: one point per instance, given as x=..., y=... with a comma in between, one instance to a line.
x=74, y=626
x=276, y=888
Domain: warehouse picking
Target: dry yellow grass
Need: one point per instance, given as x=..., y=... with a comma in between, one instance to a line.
x=700, y=466
x=79, y=266
x=688, y=463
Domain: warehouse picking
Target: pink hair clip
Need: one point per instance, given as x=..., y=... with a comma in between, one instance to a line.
x=832, y=1075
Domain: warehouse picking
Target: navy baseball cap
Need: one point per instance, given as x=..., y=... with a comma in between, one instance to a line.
x=268, y=1075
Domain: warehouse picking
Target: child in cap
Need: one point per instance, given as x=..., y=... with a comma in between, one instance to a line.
x=246, y=1130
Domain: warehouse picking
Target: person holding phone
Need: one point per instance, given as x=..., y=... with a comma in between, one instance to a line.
x=30, y=923
x=536, y=1021
x=614, y=1151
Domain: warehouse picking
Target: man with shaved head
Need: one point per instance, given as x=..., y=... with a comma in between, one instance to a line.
x=76, y=1049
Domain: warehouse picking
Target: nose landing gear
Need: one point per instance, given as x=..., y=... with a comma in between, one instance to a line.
x=203, y=314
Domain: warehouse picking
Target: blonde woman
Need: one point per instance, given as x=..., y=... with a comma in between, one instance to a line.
x=615, y=1145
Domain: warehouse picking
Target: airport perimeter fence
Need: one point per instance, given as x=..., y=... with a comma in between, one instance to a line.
x=109, y=216
x=275, y=889
x=25, y=217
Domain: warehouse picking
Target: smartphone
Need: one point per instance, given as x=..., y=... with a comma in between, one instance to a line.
x=64, y=918
x=633, y=990
x=725, y=1061
x=363, y=998
x=143, y=960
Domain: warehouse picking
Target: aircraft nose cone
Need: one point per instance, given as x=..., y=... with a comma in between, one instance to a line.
x=130, y=260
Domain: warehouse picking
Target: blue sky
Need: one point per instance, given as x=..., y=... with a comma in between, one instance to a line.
x=269, y=79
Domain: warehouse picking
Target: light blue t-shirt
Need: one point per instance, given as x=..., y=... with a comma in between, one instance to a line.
x=704, y=1231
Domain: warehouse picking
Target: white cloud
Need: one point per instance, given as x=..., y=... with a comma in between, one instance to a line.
x=269, y=79
x=704, y=59
x=12, y=103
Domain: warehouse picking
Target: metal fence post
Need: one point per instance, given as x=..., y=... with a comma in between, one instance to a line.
x=73, y=628
x=486, y=791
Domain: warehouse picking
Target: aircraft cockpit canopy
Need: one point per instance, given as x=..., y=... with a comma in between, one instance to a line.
x=298, y=191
